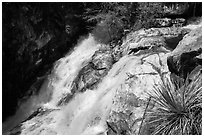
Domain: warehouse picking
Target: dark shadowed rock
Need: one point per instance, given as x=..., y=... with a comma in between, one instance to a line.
x=187, y=54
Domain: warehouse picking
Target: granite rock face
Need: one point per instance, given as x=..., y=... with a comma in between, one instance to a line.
x=187, y=55
x=146, y=55
x=180, y=55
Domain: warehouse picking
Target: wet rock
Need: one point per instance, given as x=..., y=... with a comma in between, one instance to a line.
x=86, y=78
x=117, y=53
x=65, y=99
x=186, y=56
x=102, y=60
x=92, y=73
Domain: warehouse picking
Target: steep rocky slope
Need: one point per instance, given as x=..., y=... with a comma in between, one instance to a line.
x=101, y=90
x=157, y=60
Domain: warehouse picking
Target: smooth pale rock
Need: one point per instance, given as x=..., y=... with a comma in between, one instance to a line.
x=132, y=97
x=149, y=68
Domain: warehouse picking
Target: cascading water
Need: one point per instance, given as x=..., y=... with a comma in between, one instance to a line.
x=58, y=82
x=67, y=68
x=87, y=112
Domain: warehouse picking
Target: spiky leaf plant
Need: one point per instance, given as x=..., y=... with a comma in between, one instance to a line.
x=177, y=111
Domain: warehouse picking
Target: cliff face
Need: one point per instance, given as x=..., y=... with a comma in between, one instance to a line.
x=101, y=90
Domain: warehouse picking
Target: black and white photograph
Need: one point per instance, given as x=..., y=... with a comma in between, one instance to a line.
x=101, y=68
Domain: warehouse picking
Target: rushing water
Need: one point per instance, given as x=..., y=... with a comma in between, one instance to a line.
x=58, y=82
x=87, y=112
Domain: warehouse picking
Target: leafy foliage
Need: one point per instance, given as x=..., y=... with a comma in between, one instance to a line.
x=177, y=111
x=114, y=19
x=111, y=20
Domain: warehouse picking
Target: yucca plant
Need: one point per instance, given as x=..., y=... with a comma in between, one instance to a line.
x=177, y=111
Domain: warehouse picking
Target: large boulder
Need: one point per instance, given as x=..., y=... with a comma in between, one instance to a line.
x=145, y=57
x=131, y=98
x=96, y=69
x=187, y=54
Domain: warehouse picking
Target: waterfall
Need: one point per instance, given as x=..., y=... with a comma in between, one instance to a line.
x=86, y=112
x=57, y=84
x=66, y=69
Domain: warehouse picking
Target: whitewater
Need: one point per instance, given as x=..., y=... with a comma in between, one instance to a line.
x=58, y=83
x=87, y=112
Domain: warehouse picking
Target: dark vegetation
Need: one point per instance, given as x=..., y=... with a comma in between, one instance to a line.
x=35, y=35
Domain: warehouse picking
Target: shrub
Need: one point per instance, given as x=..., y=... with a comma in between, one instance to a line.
x=177, y=110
